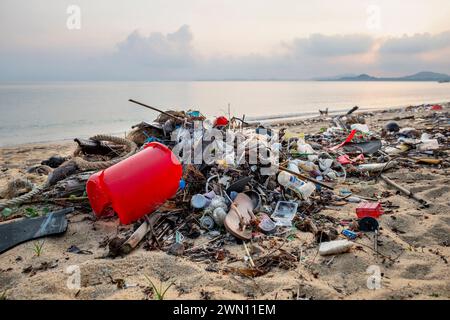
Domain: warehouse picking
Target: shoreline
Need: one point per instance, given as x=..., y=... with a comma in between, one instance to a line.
x=310, y=115
x=275, y=120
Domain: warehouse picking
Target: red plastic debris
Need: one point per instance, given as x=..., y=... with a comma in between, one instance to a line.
x=369, y=209
x=137, y=185
x=436, y=107
x=347, y=140
x=220, y=121
x=345, y=159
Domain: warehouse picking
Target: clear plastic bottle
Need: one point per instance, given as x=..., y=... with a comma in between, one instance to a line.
x=301, y=188
x=306, y=149
x=307, y=166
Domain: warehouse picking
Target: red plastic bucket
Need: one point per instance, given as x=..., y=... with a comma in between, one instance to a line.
x=137, y=185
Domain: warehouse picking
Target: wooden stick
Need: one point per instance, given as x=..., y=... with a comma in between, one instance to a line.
x=156, y=109
x=299, y=175
x=249, y=255
x=135, y=238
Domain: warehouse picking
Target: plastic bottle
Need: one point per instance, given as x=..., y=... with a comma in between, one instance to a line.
x=306, y=149
x=307, y=166
x=301, y=188
x=353, y=199
x=375, y=167
x=334, y=247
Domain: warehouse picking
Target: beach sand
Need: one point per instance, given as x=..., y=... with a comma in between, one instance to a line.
x=415, y=239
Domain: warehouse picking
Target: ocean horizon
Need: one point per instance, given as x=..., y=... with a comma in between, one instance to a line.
x=60, y=110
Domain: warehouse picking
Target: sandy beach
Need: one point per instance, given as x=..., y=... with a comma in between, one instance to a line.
x=413, y=244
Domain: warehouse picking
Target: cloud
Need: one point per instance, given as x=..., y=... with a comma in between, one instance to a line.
x=173, y=56
x=418, y=43
x=335, y=45
x=158, y=50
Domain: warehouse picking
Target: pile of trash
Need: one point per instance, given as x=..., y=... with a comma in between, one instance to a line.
x=184, y=176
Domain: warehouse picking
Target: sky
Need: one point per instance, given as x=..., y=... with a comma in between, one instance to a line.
x=220, y=39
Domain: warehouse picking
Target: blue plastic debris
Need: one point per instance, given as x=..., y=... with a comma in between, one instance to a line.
x=349, y=234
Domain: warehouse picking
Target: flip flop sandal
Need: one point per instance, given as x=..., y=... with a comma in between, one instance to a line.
x=238, y=219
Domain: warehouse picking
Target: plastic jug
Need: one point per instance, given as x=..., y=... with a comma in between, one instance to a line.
x=137, y=185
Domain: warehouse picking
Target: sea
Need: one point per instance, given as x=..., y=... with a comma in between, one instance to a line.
x=32, y=112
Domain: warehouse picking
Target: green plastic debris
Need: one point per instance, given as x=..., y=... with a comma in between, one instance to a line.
x=6, y=212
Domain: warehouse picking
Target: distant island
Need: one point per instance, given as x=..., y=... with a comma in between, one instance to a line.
x=421, y=76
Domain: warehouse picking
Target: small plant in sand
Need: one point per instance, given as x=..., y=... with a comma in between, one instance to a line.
x=31, y=212
x=3, y=296
x=159, y=293
x=37, y=248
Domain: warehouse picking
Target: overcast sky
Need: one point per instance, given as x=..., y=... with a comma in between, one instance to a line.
x=222, y=39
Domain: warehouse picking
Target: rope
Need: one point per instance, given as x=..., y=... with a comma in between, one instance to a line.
x=85, y=165
x=82, y=164
x=23, y=198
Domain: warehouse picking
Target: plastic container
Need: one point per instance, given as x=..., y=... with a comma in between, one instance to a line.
x=137, y=185
x=369, y=209
x=266, y=225
x=301, y=188
x=284, y=213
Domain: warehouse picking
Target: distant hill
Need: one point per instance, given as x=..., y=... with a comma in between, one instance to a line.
x=421, y=76
x=336, y=77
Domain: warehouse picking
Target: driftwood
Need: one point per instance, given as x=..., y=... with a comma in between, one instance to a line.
x=404, y=190
x=74, y=185
x=89, y=146
x=398, y=118
x=140, y=233
x=301, y=176
x=62, y=172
